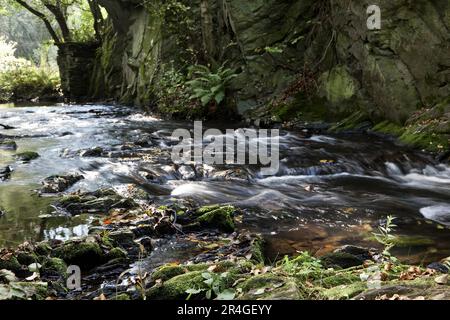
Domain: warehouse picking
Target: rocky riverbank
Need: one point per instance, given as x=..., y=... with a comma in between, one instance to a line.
x=224, y=262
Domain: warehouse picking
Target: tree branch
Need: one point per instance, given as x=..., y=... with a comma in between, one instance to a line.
x=43, y=17
x=61, y=19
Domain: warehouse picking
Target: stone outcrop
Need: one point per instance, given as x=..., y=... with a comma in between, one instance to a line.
x=388, y=73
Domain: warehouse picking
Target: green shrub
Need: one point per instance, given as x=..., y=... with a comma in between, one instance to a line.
x=20, y=79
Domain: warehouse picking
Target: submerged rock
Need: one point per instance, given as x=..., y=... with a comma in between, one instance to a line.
x=98, y=202
x=8, y=145
x=92, y=152
x=5, y=173
x=27, y=156
x=57, y=184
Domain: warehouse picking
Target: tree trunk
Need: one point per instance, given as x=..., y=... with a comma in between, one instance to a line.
x=98, y=18
x=207, y=30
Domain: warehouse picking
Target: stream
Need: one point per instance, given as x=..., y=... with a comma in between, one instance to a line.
x=331, y=190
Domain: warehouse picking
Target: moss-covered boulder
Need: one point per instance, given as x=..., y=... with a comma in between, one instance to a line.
x=116, y=253
x=27, y=156
x=217, y=217
x=167, y=272
x=7, y=144
x=10, y=263
x=54, y=265
x=85, y=254
x=176, y=287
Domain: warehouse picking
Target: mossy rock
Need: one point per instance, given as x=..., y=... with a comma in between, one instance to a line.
x=167, y=272
x=122, y=296
x=267, y=280
x=85, y=255
x=8, y=145
x=344, y=278
x=43, y=249
x=289, y=290
x=344, y=292
x=54, y=265
x=27, y=156
x=175, y=288
x=23, y=291
x=116, y=253
x=11, y=264
x=27, y=258
x=340, y=260
x=220, y=218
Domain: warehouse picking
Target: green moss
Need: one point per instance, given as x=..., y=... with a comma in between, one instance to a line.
x=221, y=218
x=27, y=156
x=116, y=253
x=11, y=264
x=343, y=278
x=43, y=249
x=175, y=288
x=122, y=296
x=267, y=280
x=344, y=292
x=55, y=265
x=86, y=255
x=338, y=85
x=167, y=272
x=426, y=139
x=26, y=258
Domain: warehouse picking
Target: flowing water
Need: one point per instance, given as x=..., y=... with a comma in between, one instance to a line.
x=331, y=190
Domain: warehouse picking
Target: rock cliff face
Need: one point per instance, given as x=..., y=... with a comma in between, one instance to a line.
x=386, y=74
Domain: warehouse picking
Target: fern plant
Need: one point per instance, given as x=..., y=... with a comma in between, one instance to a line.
x=208, y=86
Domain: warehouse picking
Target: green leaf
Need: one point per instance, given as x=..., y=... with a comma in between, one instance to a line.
x=194, y=291
x=206, y=99
x=228, y=294
x=219, y=97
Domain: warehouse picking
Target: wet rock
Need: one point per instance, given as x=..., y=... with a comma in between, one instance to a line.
x=57, y=183
x=361, y=253
x=342, y=260
x=438, y=266
x=92, y=152
x=6, y=127
x=85, y=254
x=217, y=217
x=116, y=253
x=187, y=172
x=97, y=202
x=27, y=156
x=8, y=145
x=5, y=173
